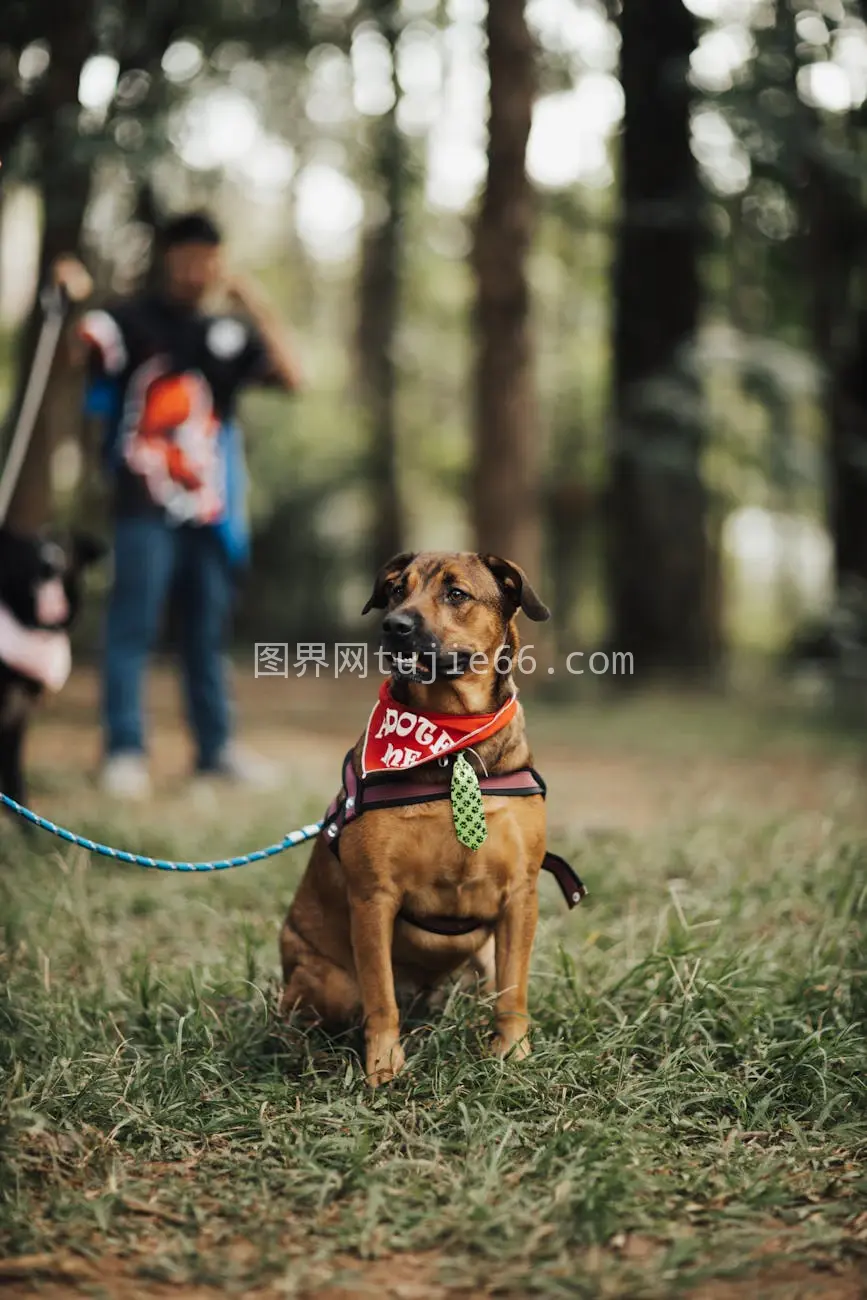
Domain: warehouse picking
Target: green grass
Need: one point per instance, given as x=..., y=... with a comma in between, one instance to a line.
x=697, y=1093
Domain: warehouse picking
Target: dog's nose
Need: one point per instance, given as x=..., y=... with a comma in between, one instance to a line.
x=399, y=625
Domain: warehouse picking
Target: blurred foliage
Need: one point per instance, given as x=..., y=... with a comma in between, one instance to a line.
x=312, y=76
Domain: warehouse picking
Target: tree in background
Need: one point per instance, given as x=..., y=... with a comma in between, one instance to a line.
x=50, y=114
x=379, y=305
x=660, y=561
x=818, y=162
x=796, y=253
x=505, y=485
x=837, y=225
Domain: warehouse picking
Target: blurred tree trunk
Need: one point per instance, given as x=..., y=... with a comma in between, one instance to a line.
x=65, y=185
x=147, y=213
x=379, y=298
x=505, y=485
x=833, y=217
x=662, y=576
x=567, y=503
x=847, y=485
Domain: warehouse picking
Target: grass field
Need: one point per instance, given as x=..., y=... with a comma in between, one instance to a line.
x=693, y=1120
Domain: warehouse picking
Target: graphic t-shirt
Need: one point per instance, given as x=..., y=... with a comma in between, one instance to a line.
x=169, y=379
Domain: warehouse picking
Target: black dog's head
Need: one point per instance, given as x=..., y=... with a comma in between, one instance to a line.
x=40, y=579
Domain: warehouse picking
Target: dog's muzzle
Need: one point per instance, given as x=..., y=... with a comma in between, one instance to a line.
x=416, y=654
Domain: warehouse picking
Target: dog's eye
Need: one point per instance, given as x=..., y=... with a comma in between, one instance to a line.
x=456, y=596
x=397, y=591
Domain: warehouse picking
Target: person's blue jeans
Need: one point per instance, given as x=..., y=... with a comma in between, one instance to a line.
x=151, y=559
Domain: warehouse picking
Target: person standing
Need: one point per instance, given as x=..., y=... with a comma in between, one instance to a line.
x=165, y=375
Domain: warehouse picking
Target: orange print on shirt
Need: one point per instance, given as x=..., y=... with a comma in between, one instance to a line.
x=169, y=405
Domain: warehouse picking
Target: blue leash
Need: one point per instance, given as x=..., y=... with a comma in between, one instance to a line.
x=161, y=864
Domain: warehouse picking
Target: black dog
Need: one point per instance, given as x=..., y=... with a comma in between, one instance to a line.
x=40, y=591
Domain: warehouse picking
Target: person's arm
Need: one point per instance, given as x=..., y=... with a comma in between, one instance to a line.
x=96, y=339
x=283, y=362
x=71, y=275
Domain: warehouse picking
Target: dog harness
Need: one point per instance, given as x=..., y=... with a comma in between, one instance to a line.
x=381, y=790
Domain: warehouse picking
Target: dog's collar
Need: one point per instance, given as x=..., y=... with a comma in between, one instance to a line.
x=399, y=737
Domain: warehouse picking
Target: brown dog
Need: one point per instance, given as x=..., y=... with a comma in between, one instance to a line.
x=407, y=904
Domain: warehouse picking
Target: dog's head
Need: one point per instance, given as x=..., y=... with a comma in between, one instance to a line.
x=451, y=613
x=40, y=579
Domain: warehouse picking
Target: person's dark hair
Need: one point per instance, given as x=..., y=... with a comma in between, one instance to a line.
x=190, y=228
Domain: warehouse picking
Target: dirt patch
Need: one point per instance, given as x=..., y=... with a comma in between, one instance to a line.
x=68, y=1277
x=401, y=1277
x=790, y=1282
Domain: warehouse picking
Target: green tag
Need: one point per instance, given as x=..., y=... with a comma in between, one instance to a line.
x=467, y=807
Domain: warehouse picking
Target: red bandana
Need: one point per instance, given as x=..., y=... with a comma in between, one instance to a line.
x=398, y=737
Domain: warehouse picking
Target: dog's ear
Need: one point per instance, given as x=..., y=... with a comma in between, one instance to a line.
x=86, y=550
x=388, y=572
x=515, y=585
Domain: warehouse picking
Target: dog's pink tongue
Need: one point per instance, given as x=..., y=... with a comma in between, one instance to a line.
x=52, y=607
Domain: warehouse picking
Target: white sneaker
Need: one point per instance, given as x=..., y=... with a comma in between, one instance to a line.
x=125, y=776
x=242, y=767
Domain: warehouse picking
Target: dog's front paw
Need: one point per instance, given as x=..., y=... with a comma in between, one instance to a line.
x=517, y=1049
x=384, y=1061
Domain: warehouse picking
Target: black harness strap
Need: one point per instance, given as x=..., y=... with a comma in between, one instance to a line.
x=380, y=790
